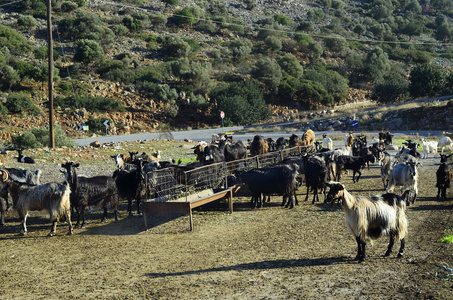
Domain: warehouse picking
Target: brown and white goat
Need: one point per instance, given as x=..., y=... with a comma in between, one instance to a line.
x=372, y=217
x=51, y=197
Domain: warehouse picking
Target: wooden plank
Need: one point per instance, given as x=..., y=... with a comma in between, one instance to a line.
x=208, y=199
x=166, y=207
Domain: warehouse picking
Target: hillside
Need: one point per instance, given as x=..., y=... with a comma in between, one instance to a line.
x=177, y=64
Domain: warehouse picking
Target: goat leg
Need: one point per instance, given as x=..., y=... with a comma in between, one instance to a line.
x=68, y=219
x=400, y=252
x=54, y=228
x=23, y=223
x=390, y=246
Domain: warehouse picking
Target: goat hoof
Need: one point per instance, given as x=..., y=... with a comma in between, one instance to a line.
x=50, y=234
x=399, y=255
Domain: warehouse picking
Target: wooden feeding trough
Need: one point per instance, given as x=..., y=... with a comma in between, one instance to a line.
x=184, y=205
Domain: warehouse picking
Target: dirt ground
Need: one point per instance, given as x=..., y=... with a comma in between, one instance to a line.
x=267, y=253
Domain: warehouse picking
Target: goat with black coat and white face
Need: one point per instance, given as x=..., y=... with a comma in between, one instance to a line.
x=370, y=217
x=90, y=191
x=24, y=159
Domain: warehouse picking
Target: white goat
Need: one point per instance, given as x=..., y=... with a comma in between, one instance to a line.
x=405, y=175
x=445, y=142
x=327, y=142
x=428, y=147
x=51, y=197
x=372, y=217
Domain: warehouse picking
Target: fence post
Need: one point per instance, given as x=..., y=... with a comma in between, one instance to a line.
x=257, y=161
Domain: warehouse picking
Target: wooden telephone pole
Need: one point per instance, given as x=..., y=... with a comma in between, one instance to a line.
x=50, y=43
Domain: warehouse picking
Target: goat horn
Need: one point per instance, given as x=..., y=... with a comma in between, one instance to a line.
x=4, y=175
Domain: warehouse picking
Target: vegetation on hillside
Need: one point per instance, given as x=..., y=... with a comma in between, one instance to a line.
x=222, y=59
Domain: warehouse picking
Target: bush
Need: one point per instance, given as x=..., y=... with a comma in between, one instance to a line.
x=88, y=51
x=68, y=6
x=96, y=125
x=25, y=141
x=39, y=137
x=16, y=103
x=26, y=21
x=90, y=103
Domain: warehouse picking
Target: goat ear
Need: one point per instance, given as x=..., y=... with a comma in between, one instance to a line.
x=76, y=165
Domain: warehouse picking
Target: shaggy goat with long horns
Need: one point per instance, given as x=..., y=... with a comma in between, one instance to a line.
x=372, y=217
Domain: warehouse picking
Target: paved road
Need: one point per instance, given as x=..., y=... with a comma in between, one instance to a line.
x=206, y=135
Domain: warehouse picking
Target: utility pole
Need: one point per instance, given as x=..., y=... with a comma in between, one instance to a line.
x=50, y=43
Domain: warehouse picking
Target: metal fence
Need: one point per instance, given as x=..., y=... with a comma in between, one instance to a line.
x=179, y=183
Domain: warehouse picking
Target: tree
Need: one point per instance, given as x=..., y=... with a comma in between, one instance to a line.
x=268, y=72
x=377, y=64
x=394, y=88
x=171, y=2
x=184, y=17
x=290, y=65
x=242, y=102
x=273, y=43
x=88, y=51
x=308, y=45
x=427, y=80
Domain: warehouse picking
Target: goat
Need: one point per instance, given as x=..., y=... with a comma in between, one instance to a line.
x=444, y=176
x=406, y=175
x=372, y=217
x=386, y=168
x=233, y=152
x=308, y=138
x=386, y=138
x=294, y=141
x=279, y=180
x=213, y=154
x=281, y=143
x=444, y=157
x=24, y=159
x=345, y=162
x=258, y=146
x=316, y=176
x=445, y=142
x=428, y=147
x=349, y=139
x=130, y=184
x=53, y=197
x=156, y=156
x=30, y=177
x=326, y=142
x=90, y=191
x=121, y=164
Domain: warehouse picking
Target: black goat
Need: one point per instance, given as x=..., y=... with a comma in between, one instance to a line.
x=346, y=162
x=233, y=152
x=444, y=176
x=280, y=180
x=130, y=185
x=213, y=154
x=316, y=176
x=24, y=159
x=90, y=191
x=444, y=157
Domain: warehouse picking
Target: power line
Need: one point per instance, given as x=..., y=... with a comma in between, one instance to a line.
x=10, y=3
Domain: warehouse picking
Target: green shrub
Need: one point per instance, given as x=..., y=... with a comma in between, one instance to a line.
x=97, y=125
x=39, y=137
x=90, y=103
x=68, y=6
x=16, y=103
x=26, y=21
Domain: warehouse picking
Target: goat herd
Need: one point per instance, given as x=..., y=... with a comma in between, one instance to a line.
x=321, y=169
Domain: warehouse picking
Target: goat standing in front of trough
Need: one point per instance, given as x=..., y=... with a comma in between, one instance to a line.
x=279, y=180
x=130, y=184
x=52, y=197
x=91, y=191
x=372, y=217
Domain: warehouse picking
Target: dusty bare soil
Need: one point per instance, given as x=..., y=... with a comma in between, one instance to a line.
x=268, y=253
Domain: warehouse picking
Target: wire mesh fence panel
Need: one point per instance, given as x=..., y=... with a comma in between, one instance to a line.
x=175, y=183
